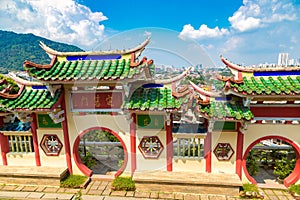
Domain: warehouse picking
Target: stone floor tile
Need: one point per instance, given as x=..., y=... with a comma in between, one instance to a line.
x=106, y=192
x=166, y=195
x=94, y=192
x=204, y=197
x=91, y=197
x=178, y=196
x=154, y=195
x=229, y=198
x=217, y=197
x=57, y=196
x=61, y=190
x=35, y=195
x=118, y=193
x=27, y=188
x=273, y=197
x=40, y=188
x=50, y=189
x=130, y=194
x=139, y=194
x=9, y=187
x=191, y=197
x=19, y=188
x=279, y=192
x=268, y=192
x=71, y=190
x=14, y=194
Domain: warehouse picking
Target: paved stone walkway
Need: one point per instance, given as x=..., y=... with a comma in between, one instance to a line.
x=100, y=190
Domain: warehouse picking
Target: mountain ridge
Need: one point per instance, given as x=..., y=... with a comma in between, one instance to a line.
x=15, y=48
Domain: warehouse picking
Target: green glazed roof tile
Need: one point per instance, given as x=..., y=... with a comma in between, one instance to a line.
x=31, y=99
x=268, y=85
x=220, y=110
x=153, y=99
x=86, y=70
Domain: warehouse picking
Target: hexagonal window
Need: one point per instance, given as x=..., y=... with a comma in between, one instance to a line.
x=150, y=147
x=223, y=151
x=51, y=145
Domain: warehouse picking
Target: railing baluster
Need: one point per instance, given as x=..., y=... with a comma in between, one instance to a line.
x=29, y=142
x=194, y=147
x=189, y=147
x=199, y=147
x=21, y=143
x=25, y=143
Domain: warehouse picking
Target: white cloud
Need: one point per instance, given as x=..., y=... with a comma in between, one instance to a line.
x=63, y=21
x=188, y=31
x=260, y=13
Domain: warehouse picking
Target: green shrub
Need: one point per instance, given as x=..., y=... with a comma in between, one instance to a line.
x=295, y=189
x=284, y=167
x=73, y=181
x=248, y=187
x=251, y=163
x=123, y=184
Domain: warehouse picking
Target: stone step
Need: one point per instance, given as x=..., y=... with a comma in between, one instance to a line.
x=32, y=175
x=188, y=182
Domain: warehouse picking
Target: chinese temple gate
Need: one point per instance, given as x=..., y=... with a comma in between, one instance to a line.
x=158, y=124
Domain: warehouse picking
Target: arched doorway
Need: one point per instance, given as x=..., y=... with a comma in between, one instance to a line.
x=293, y=177
x=99, y=150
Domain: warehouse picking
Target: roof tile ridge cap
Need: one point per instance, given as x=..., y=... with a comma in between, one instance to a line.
x=134, y=49
x=202, y=91
x=235, y=66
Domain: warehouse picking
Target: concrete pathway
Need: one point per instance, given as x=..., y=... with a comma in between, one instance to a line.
x=100, y=190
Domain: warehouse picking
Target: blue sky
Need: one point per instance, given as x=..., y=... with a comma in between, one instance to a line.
x=244, y=31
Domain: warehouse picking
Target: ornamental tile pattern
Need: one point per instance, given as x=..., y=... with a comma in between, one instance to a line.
x=31, y=99
x=87, y=70
x=221, y=110
x=153, y=99
x=268, y=85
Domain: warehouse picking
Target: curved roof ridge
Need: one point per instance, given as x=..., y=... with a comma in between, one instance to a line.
x=202, y=91
x=58, y=53
x=235, y=66
x=258, y=69
x=174, y=79
x=22, y=81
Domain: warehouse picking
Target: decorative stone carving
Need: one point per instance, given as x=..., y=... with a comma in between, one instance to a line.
x=51, y=145
x=223, y=151
x=150, y=147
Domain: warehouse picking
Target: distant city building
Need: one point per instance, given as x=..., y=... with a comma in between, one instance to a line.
x=283, y=59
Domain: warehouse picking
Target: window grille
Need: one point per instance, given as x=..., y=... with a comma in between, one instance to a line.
x=188, y=146
x=20, y=143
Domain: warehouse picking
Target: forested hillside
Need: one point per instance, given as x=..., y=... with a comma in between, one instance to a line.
x=16, y=48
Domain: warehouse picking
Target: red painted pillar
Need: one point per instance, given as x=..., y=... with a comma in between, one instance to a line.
x=207, y=148
x=66, y=135
x=133, y=142
x=35, y=140
x=169, y=141
x=4, y=145
x=239, y=152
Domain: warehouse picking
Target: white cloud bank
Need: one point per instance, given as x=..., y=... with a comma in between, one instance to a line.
x=251, y=15
x=59, y=20
x=203, y=32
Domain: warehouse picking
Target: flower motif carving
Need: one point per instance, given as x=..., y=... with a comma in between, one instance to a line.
x=223, y=151
x=51, y=145
x=150, y=147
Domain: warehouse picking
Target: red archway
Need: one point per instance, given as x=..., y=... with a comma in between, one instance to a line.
x=293, y=177
x=84, y=169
